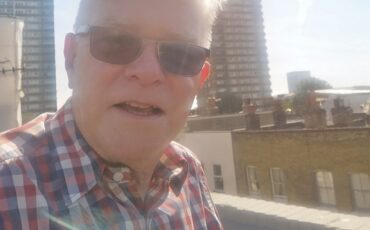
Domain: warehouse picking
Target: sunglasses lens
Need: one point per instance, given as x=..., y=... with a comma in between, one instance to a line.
x=182, y=59
x=113, y=47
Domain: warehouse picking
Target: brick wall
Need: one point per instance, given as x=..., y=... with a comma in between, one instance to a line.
x=300, y=153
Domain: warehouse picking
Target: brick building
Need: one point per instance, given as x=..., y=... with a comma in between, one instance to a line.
x=326, y=168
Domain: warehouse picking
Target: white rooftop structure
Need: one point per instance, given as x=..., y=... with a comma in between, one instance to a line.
x=342, y=91
x=357, y=97
x=10, y=74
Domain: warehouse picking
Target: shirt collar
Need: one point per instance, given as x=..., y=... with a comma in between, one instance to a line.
x=173, y=167
x=82, y=167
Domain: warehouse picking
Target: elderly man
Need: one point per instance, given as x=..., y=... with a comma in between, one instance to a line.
x=105, y=160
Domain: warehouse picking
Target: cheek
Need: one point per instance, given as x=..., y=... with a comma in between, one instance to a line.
x=93, y=79
x=184, y=93
x=90, y=94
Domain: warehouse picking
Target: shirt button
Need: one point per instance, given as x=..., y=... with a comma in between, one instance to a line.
x=118, y=177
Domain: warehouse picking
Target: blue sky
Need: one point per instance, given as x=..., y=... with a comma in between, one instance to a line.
x=328, y=37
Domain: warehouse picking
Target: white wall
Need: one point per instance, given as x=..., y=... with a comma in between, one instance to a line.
x=213, y=148
x=355, y=101
x=10, y=82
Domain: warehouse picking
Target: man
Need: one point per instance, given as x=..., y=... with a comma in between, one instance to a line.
x=105, y=160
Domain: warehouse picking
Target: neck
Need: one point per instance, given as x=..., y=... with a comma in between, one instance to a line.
x=143, y=173
x=143, y=180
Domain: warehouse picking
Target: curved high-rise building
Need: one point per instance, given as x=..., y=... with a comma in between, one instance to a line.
x=238, y=54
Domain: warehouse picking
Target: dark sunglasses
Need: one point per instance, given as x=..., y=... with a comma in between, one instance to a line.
x=114, y=46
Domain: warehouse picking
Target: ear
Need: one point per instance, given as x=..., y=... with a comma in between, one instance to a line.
x=204, y=73
x=69, y=56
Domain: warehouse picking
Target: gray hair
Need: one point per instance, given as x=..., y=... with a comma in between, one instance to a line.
x=210, y=8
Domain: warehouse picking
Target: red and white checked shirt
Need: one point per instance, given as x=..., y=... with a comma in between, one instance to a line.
x=50, y=178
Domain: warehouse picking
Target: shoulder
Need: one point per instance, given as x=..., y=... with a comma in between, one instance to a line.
x=23, y=140
x=19, y=151
x=185, y=153
x=18, y=171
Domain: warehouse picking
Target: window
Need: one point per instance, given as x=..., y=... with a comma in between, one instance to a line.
x=221, y=90
x=218, y=180
x=31, y=82
x=219, y=75
x=33, y=106
x=278, y=184
x=31, y=90
x=33, y=98
x=219, y=67
x=325, y=187
x=50, y=97
x=233, y=81
x=360, y=184
x=252, y=180
x=220, y=82
x=51, y=106
x=33, y=66
x=234, y=89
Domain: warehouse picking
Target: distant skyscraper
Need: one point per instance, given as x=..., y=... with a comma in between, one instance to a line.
x=295, y=78
x=238, y=53
x=38, y=53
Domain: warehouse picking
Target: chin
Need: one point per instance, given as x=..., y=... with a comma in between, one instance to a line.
x=134, y=154
x=128, y=144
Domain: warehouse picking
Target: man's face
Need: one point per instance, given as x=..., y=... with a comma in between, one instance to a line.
x=131, y=112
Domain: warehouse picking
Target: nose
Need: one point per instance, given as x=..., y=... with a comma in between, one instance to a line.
x=146, y=69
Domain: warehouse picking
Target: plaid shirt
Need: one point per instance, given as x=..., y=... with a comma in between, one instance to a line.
x=50, y=178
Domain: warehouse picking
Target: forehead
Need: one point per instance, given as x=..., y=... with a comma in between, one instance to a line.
x=162, y=19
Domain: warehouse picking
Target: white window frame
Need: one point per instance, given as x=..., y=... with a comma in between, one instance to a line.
x=218, y=177
x=325, y=189
x=252, y=181
x=362, y=191
x=278, y=197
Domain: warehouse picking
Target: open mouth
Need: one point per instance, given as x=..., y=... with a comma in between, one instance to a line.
x=140, y=109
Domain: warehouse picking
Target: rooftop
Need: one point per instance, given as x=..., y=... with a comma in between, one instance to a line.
x=254, y=214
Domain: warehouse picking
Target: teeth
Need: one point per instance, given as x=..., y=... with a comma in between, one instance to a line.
x=138, y=105
x=140, y=109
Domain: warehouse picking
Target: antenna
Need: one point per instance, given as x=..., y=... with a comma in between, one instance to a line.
x=13, y=69
x=5, y=70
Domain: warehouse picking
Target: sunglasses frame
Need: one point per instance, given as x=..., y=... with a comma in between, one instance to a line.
x=86, y=29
